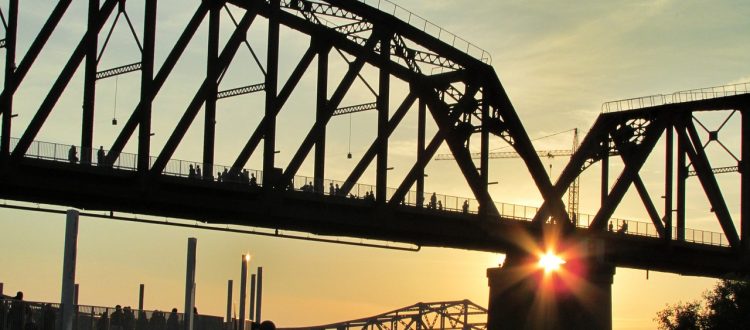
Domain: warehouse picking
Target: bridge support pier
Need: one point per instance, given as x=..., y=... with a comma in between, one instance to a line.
x=523, y=296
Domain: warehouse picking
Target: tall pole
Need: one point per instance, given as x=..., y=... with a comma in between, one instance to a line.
x=190, y=283
x=259, y=295
x=141, y=293
x=252, y=297
x=67, y=300
x=745, y=184
x=243, y=289
x=229, y=302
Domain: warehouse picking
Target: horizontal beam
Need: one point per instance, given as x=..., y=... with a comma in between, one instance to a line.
x=718, y=170
x=118, y=71
x=510, y=154
x=355, y=108
x=241, y=91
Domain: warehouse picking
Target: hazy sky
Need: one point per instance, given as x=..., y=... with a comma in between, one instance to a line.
x=558, y=62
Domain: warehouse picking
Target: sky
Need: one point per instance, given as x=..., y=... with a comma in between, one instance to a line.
x=558, y=61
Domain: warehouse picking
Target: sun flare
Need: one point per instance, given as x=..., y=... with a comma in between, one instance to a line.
x=550, y=262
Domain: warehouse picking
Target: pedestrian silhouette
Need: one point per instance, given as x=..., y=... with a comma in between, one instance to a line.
x=173, y=323
x=17, y=312
x=433, y=201
x=100, y=156
x=115, y=320
x=72, y=155
x=253, y=180
x=198, y=172
x=191, y=172
x=465, y=207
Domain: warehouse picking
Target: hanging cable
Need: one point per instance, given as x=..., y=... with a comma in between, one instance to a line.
x=349, y=154
x=114, y=112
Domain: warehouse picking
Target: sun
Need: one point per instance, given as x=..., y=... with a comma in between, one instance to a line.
x=550, y=262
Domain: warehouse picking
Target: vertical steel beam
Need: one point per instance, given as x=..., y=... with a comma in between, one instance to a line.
x=605, y=171
x=668, y=183
x=745, y=183
x=272, y=72
x=212, y=57
x=61, y=82
x=148, y=89
x=89, y=84
x=227, y=54
x=14, y=75
x=484, y=162
x=372, y=151
x=421, y=128
x=698, y=157
x=381, y=170
x=137, y=117
x=682, y=175
x=321, y=111
x=634, y=161
x=10, y=68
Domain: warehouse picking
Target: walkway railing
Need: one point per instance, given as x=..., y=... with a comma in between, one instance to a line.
x=430, y=28
x=24, y=315
x=363, y=192
x=677, y=97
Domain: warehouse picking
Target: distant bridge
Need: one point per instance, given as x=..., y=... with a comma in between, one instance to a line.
x=445, y=315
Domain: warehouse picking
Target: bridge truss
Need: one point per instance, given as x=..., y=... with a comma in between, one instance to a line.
x=406, y=65
x=446, y=315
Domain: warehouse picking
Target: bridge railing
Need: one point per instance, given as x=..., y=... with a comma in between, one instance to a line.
x=676, y=97
x=440, y=203
x=430, y=28
x=19, y=315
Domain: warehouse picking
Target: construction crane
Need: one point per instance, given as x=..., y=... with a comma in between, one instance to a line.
x=573, y=191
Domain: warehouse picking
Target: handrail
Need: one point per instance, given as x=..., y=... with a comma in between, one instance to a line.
x=362, y=192
x=676, y=97
x=430, y=28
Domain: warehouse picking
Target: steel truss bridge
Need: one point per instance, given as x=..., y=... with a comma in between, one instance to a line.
x=444, y=79
x=445, y=315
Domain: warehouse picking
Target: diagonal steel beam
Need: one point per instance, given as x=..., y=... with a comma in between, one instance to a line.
x=589, y=146
x=418, y=168
x=636, y=160
x=227, y=54
x=649, y=204
x=36, y=47
x=441, y=114
x=333, y=103
x=286, y=91
x=372, y=151
x=708, y=180
x=59, y=85
x=158, y=81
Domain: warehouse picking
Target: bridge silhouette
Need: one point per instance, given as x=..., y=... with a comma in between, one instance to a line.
x=447, y=77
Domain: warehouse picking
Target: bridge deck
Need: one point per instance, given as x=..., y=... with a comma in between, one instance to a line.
x=51, y=179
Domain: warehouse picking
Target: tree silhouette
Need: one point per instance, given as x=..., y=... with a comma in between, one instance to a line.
x=727, y=306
